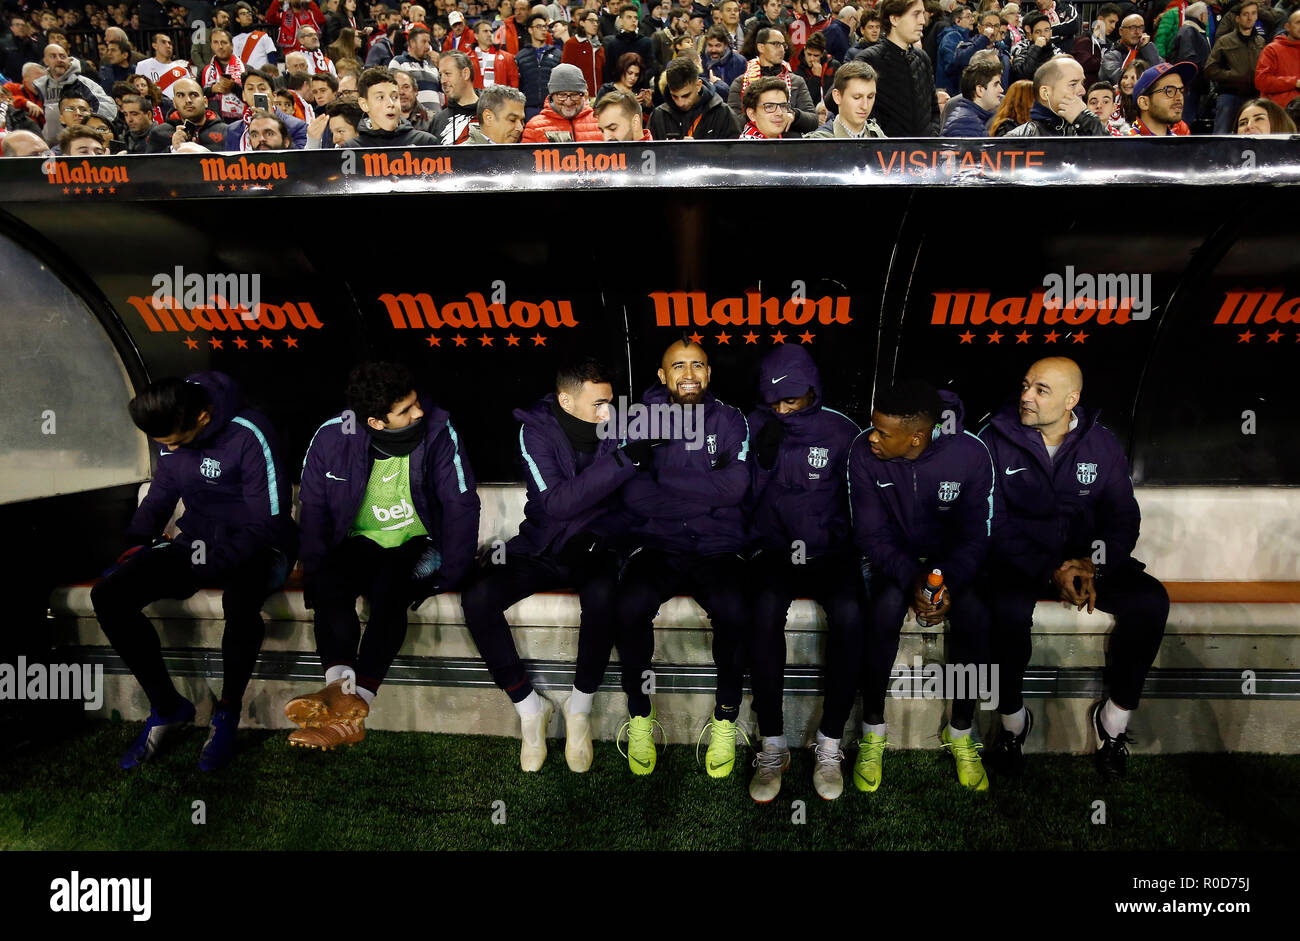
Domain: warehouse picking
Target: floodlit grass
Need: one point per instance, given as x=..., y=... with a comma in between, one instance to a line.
x=415, y=791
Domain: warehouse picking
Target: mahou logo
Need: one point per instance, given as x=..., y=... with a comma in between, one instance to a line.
x=64, y=172
x=219, y=170
x=980, y=307
x=168, y=315
x=420, y=312
x=694, y=309
x=1257, y=307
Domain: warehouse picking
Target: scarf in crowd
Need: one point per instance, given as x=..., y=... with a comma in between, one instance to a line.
x=751, y=130
x=301, y=110
x=289, y=24
x=754, y=70
x=1052, y=16
x=318, y=61
x=230, y=104
x=1141, y=130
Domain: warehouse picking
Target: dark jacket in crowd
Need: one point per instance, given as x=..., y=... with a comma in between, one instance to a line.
x=1027, y=56
x=619, y=45
x=15, y=52
x=402, y=136
x=905, y=101
x=690, y=500
x=805, y=118
x=1112, y=61
x=232, y=480
x=336, y=472
x=967, y=49
x=210, y=131
x=838, y=39
x=1045, y=123
x=535, y=73
x=938, y=507
x=710, y=119
x=803, y=496
x=966, y=119
x=729, y=68
x=819, y=88
x=1232, y=62
x=570, y=489
x=1048, y=510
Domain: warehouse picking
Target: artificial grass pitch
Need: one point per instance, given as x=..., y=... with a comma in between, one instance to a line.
x=417, y=791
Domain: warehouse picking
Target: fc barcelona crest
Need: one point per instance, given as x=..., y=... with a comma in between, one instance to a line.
x=1086, y=473
x=210, y=468
x=948, y=490
x=818, y=457
x=712, y=442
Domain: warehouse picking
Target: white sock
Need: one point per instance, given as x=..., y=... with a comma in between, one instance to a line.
x=827, y=745
x=579, y=702
x=1114, y=719
x=366, y=694
x=873, y=729
x=335, y=673
x=955, y=734
x=1015, y=723
x=775, y=743
x=529, y=706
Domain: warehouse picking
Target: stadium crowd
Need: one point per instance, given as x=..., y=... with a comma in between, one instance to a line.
x=158, y=76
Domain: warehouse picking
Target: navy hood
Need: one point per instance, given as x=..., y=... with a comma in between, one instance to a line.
x=226, y=398
x=788, y=372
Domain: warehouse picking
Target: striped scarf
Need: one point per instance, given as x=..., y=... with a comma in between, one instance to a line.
x=754, y=71
x=230, y=104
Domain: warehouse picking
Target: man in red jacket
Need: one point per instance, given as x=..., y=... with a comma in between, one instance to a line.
x=1277, y=75
x=290, y=15
x=492, y=64
x=566, y=116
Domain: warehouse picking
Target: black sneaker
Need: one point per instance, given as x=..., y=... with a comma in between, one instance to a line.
x=1004, y=755
x=1112, y=756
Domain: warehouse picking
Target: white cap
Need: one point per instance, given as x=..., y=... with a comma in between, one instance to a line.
x=454, y=17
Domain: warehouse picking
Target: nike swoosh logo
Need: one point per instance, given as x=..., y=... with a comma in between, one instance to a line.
x=879, y=484
x=779, y=378
x=1012, y=473
x=394, y=474
x=331, y=476
x=723, y=764
x=643, y=764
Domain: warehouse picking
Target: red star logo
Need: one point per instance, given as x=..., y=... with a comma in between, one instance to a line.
x=433, y=340
x=111, y=189
x=778, y=337
x=101, y=189
x=241, y=343
x=539, y=340
x=221, y=187
x=724, y=337
x=696, y=339
x=512, y=340
x=77, y=190
x=966, y=337
x=214, y=343
x=995, y=337
x=751, y=337
x=1080, y=338
x=270, y=186
x=266, y=342
x=1022, y=337
x=1275, y=336
x=460, y=341
x=806, y=337
x=245, y=186
x=192, y=343
x=485, y=340
x=291, y=342
x=1051, y=337
x=1245, y=337
x=66, y=191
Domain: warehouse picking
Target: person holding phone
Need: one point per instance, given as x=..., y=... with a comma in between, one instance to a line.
x=257, y=96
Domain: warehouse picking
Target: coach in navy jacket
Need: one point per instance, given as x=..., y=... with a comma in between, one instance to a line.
x=800, y=527
x=1065, y=522
x=921, y=490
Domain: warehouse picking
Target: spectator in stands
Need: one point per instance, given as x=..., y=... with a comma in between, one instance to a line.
x=809, y=19
x=772, y=13
x=451, y=125
x=137, y=113
x=1065, y=22
x=236, y=534
x=535, y=65
x=348, y=84
x=18, y=46
x=725, y=63
x=566, y=115
x=116, y=66
x=23, y=144
x=961, y=30
x=817, y=70
x=82, y=141
x=1060, y=108
x=74, y=109
x=345, y=17
x=344, y=118
x=771, y=63
x=692, y=109
x=63, y=74
x=768, y=111
x=163, y=105
x=267, y=131
x=1159, y=94
x=869, y=29
x=991, y=35
x=618, y=115
x=559, y=10
x=460, y=38
x=854, y=96
x=290, y=16
x=630, y=78
x=418, y=59
x=628, y=39
x=1036, y=554
x=573, y=478
x=690, y=528
x=253, y=46
x=1264, y=116
x=1088, y=48
x=258, y=96
x=161, y=69
x=384, y=125
x=663, y=42
x=912, y=444
x=222, y=78
x=1277, y=74
x=191, y=121
x=729, y=18
x=492, y=64
x=1102, y=103
x=906, y=105
x=413, y=110
x=584, y=49
x=1127, y=80
x=1028, y=56
x=1133, y=43
x=1232, y=62
x=1190, y=44
x=408, y=459
x=500, y=116
x=317, y=61
x=324, y=90
x=840, y=33
x=1010, y=14
x=981, y=93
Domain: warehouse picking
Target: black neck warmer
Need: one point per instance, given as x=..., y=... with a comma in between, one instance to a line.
x=397, y=442
x=581, y=434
